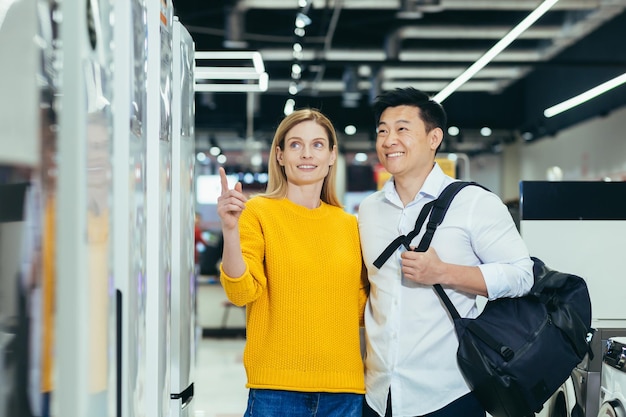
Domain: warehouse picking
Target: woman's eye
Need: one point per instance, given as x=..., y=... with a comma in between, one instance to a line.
x=319, y=145
x=294, y=145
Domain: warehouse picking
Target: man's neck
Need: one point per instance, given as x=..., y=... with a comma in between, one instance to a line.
x=407, y=189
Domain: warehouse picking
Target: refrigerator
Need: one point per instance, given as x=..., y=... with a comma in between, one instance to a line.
x=183, y=293
x=159, y=23
x=129, y=210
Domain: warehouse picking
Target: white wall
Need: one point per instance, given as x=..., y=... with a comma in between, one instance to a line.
x=591, y=151
x=485, y=170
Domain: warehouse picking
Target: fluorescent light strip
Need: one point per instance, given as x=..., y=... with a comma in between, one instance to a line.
x=225, y=54
x=226, y=73
x=235, y=88
x=495, y=50
x=586, y=96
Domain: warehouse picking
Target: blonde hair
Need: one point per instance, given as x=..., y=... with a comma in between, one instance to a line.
x=277, y=179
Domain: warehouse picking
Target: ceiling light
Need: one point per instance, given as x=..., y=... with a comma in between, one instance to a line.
x=245, y=68
x=289, y=106
x=586, y=96
x=350, y=130
x=485, y=131
x=495, y=50
x=360, y=157
x=453, y=131
x=302, y=20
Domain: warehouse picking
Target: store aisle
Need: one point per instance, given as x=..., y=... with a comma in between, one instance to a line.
x=219, y=375
x=220, y=379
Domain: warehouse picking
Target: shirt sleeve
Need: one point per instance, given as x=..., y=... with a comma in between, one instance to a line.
x=505, y=262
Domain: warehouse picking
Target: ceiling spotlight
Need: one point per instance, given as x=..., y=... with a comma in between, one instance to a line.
x=289, y=106
x=299, y=32
x=485, y=131
x=302, y=20
x=215, y=150
x=350, y=130
x=453, y=131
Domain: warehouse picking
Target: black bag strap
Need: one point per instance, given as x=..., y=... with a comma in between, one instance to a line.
x=436, y=217
x=404, y=240
x=441, y=206
x=438, y=207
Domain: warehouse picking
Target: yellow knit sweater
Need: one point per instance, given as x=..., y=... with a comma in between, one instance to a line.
x=305, y=296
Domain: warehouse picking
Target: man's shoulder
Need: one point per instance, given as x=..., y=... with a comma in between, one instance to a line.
x=473, y=190
x=375, y=198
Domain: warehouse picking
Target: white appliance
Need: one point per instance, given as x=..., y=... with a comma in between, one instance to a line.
x=613, y=385
x=580, y=228
x=129, y=210
x=158, y=208
x=19, y=151
x=182, y=345
x=85, y=320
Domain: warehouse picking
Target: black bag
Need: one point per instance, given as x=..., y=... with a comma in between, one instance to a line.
x=518, y=351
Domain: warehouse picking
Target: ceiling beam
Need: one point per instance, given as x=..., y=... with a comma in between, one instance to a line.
x=444, y=4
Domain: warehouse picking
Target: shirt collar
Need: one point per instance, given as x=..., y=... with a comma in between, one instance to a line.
x=435, y=181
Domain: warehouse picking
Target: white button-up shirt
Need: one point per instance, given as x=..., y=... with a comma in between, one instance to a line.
x=411, y=342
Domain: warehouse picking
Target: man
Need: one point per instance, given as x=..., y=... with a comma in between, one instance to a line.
x=411, y=367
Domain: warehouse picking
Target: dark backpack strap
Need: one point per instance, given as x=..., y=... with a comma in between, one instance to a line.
x=442, y=204
x=404, y=239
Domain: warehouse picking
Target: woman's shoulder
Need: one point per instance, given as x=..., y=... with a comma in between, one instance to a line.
x=260, y=201
x=341, y=213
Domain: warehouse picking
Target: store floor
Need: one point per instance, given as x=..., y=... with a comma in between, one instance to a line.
x=219, y=389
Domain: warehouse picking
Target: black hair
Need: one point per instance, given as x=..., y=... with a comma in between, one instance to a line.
x=431, y=112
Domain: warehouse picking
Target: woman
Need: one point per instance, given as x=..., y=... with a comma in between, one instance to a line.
x=292, y=257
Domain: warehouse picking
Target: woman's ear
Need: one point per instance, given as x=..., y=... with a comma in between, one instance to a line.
x=279, y=156
x=333, y=155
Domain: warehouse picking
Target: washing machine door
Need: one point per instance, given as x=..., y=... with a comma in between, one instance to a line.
x=612, y=409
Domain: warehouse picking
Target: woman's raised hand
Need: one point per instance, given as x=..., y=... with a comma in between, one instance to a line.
x=230, y=203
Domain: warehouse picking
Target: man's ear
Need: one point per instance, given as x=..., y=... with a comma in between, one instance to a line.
x=435, y=136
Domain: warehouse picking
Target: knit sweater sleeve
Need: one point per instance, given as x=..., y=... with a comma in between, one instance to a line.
x=247, y=288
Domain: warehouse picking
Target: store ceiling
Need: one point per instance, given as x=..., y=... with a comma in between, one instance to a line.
x=354, y=49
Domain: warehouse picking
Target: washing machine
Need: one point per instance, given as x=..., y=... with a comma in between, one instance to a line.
x=613, y=380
